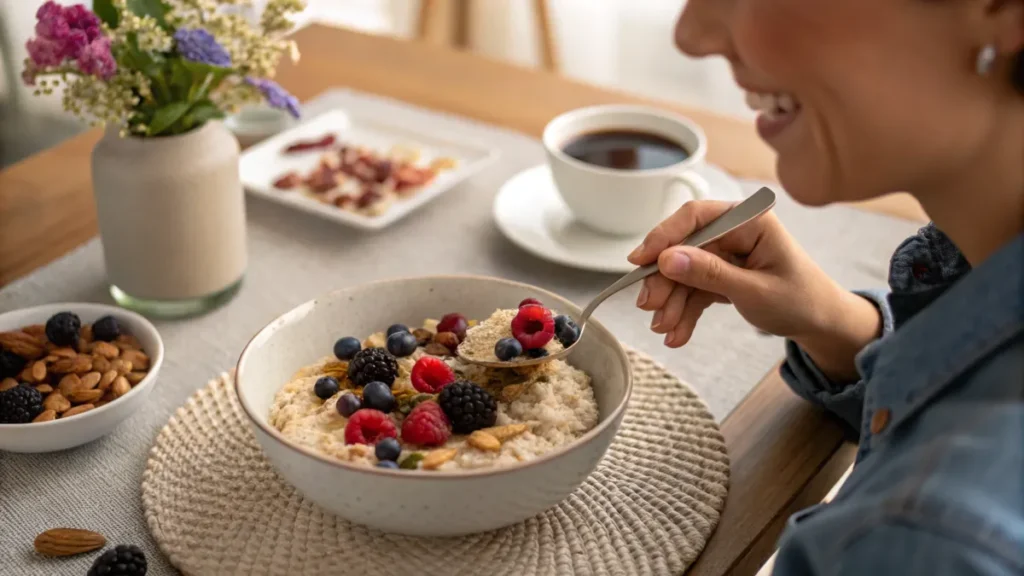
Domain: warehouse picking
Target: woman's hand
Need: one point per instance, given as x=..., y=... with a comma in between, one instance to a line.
x=765, y=274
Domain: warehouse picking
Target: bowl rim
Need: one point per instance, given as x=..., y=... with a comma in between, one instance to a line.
x=587, y=438
x=156, y=359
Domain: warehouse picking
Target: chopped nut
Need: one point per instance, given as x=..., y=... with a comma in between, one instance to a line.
x=423, y=336
x=77, y=410
x=44, y=388
x=56, y=402
x=435, y=458
x=69, y=384
x=449, y=340
x=120, y=387
x=507, y=432
x=90, y=380
x=46, y=416
x=107, y=379
x=435, y=349
x=85, y=396
x=484, y=441
x=7, y=384
x=106, y=350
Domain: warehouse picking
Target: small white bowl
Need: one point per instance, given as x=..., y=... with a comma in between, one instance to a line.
x=417, y=502
x=62, y=434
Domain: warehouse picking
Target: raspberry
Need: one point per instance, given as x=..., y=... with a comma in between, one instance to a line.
x=533, y=326
x=453, y=322
x=369, y=427
x=529, y=301
x=430, y=374
x=426, y=425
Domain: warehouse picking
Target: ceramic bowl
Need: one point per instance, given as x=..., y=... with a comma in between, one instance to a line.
x=62, y=434
x=415, y=502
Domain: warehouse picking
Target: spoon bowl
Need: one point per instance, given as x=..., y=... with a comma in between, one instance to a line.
x=750, y=209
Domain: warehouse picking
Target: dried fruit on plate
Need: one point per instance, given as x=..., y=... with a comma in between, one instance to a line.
x=305, y=145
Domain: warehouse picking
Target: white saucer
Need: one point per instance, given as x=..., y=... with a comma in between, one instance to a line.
x=530, y=213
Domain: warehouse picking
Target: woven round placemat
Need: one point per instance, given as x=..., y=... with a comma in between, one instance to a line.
x=216, y=506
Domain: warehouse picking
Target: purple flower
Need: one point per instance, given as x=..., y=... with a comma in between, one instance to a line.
x=276, y=96
x=80, y=18
x=200, y=46
x=45, y=52
x=50, y=21
x=62, y=33
x=96, y=59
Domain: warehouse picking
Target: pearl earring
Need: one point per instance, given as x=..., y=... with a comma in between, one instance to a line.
x=986, y=58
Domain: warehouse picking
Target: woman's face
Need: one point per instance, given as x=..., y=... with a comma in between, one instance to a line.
x=862, y=97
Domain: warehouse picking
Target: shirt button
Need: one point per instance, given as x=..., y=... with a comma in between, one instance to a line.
x=879, y=420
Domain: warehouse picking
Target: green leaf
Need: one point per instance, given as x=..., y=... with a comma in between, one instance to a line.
x=205, y=78
x=155, y=8
x=165, y=116
x=200, y=113
x=106, y=12
x=412, y=461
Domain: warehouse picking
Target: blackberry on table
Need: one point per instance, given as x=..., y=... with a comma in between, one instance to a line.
x=123, y=560
x=20, y=405
x=468, y=406
x=373, y=365
x=62, y=328
x=10, y=364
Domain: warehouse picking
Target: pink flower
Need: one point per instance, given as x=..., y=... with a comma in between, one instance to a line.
x=97, y=60
x=45, y=52
x=51, y=22
x=62, y=33
x=80, y=18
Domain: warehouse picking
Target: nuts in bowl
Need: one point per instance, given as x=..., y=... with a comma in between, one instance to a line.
x=69, y=373
x=358, y=399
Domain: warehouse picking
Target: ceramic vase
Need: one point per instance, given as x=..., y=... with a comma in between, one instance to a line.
x=171, y=214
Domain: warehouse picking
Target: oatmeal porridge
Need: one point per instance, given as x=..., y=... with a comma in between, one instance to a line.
x=402, y=399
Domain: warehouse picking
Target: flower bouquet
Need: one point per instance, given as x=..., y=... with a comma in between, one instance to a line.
x=160, y=67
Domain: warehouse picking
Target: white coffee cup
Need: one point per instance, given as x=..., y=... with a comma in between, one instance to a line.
x=624, y=202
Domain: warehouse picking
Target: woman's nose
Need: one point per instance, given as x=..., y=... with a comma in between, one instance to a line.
x=703, y=28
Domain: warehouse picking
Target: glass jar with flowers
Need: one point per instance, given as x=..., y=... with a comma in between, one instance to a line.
x=159, y=75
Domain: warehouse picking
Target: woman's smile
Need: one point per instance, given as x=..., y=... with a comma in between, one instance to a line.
x=778, y=111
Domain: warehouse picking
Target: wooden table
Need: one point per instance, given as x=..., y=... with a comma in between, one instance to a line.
x=785, y=455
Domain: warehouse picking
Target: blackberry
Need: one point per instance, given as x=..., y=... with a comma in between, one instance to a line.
x=468, y=406
x=106, y=329
x=10, y=364
x=62, y=329
x=373, y=365
x=20, y=405
x=124, y=560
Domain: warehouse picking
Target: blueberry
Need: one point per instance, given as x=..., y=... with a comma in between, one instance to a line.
x=347, y=347
x=348, y=404
x=326, y=387
x=387, y=464
x=507, y=349
x=388, y=449
x=106, y=329
x=378, y=396
x=397, y=328
x=566, y=330
x=402, y=344
x=537, y=352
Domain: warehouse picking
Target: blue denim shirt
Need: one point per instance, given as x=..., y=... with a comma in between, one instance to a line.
x=938, y=486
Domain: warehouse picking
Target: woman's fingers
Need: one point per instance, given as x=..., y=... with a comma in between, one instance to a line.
x=654, y=292
x=675, y=228
x=681, y=332
x=666, y=317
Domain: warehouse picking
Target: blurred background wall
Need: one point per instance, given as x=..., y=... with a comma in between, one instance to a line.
x=622, y=43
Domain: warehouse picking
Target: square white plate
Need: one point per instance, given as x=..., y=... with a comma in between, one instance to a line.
x=265, y=162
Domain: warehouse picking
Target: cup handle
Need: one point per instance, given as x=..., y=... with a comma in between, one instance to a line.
x=694, y=183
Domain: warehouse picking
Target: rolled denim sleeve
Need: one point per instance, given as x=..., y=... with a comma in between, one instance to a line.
x=844, y=399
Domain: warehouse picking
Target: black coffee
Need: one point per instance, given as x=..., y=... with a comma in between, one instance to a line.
x=626, y=150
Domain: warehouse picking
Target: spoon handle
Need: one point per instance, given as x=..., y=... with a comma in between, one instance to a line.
x=754, y=206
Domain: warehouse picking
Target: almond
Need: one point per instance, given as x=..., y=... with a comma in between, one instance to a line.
x=26, y=374
x=435, y=458
x=46, y=416
x=136, y=377
x=69, y=384
x=120, y=387
x=107, y=379
x=507, y=432
x=77, y=410
x=36, y=330
x=68, y=541
x=90, y=380
x=483, y=441
x=122, y=366
x=50, y=358
x=99, y=403
x=100, y=364
x=106, y=350
x=44, y=388
x=56, y=402
x=85, y=396
x=76, y=365
x=83, y=346
x=39, y=371
x=127, y=342
x=63, y=353
x=137, y=358
x=85, y=334
x=7, y=384
x=25, y=345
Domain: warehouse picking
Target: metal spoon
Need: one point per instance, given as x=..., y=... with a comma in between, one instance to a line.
x=754, y=206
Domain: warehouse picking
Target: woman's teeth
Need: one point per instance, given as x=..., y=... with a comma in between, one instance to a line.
x=774, y=105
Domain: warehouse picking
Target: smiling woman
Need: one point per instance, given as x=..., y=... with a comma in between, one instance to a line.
x=860, y=98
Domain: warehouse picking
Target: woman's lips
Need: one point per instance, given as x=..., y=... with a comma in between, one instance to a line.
x=778, y=111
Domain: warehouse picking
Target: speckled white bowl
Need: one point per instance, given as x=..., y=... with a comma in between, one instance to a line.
x=424, y=503
x=62, y=434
